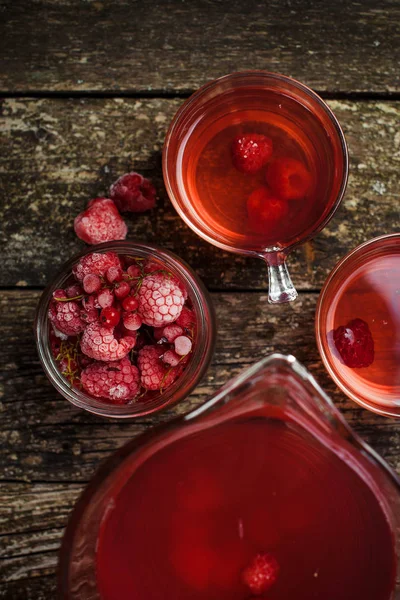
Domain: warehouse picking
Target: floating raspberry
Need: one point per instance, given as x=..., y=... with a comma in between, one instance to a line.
x=288, y=178
x=105, y=298
x=100, y=222
x=171, y=332
x=91, y=283
x=160, y=300
x=265, y=210
x=99, y=343
x=96, y=263
x=154, y=375
x=171, y=358
x=261, y=573
x=187, y=318
x=118, y=381
x=132, y=321
x=133, y=193
x=66, y=316
x=183, y=345
x=355, y=344
x=251, y=152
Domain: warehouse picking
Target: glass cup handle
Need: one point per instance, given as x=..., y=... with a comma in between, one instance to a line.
x=281, y=288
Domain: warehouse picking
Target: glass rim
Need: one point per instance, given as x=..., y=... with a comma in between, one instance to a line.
x=237, y=76
x=197, y=366
x=351, y=255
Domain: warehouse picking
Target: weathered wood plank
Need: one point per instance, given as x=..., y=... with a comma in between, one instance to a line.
x=57, y=154
x=157, y=46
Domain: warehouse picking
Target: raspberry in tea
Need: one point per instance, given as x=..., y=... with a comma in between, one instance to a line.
x=128, y=331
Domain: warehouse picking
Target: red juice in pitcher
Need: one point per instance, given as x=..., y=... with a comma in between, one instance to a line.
x=252, y=507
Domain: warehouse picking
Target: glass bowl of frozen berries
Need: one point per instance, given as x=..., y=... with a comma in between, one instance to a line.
x=125, y=329
x=358, y=324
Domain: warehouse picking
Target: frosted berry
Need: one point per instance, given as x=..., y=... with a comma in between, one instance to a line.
x=60, y=294
x=265, y=210
x=151, y=267
x=118, y=381
x=122, y=289
x=105, y=298
x=261, y=574
x=251, y=152
x=114, y=274
x=154, y=374
x=89, y=312
x=91, y=283
x=97, y=263
x=187, y=318
x=66, y=317
x=74, y=291
x=98, y=342
x=171, y=358
x=288, y=178
x=160, y=300
x=110, y=316
x=132, y=321
x=130, y=303
x=355, y=344
x=133, y=193
x=171, y=332
x=100, y=222
x=183, y=345
x=134, y=271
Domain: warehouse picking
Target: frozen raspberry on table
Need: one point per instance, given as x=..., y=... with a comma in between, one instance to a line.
x=265, y=210
x=160, y=300
x=117, y=381
x=355, y=344
x=91, y=283
x=66, y=317
x=171, y=358
x=183, y=345
x=96, y=263
x=251, y=152
x=154, y=374
x=132, y=321
x=133, y=193
x=98, y=342
x=105, y=298
x=100, y=222
x=171, y=332
x=288, y=178
x=187, y=318
x=261, y=573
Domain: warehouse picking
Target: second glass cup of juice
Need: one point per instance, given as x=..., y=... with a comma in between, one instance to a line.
x=212, y=195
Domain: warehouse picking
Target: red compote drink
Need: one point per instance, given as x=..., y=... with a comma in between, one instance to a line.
x=358, y=324
x=254, y=506
x=122, y=328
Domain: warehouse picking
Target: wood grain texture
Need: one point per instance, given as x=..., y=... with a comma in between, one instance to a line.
x=50, y=449
x=165, y=46
x=57, y=154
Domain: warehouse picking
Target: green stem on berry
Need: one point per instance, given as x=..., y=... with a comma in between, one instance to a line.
x=69, y=299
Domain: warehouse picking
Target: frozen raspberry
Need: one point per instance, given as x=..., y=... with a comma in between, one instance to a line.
x=74, y=291
x=98, y=342
x=117, y=381
x=154, y=374
x=91, y=283
x=265, y=210
x=160, y=300
x=133, y=193
x=100, y=222
x=171, y=358
x=132, y=321
x=96, y=263
x=288, y=178
x=187, y=318
x=122, y=289
x=183, y=345
x=251, y=152
x=114, y=274
x=355, y=344
x=171, y=332
x=261, y=573
x=130, y=303
x=110, y=316
x=89, y=312
x=66, y=317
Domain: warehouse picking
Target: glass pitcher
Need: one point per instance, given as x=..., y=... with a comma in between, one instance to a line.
x=267, y=467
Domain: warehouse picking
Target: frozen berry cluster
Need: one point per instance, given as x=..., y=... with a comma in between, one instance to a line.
x=286, y=179
x=123, y=328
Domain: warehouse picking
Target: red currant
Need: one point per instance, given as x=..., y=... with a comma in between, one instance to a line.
x=130, y=303
x=110, y=316
x=122, y=289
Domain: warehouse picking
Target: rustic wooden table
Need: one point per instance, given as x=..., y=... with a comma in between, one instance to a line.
x=88, y=89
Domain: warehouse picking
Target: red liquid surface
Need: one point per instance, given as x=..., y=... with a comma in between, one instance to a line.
x=194, y=515
x=218, y=192
x=371, y=292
